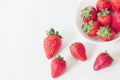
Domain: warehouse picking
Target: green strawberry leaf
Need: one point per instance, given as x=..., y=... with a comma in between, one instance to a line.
x=87, y=27
x=86, y=12
x=59, y=57
x=104, y=12
x=104, y=32
x=53, y=32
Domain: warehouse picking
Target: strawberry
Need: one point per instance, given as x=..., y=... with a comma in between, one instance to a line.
x=103, y=4
x=52, y=43
x=89, y=13
x=104, y=17
x=91, y=28
x=116, y=21
x=58, y=66
x=103, y=60
x=78, y=51
x=106, y=33
x=115, y=5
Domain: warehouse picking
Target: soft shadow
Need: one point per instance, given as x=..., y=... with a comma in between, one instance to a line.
x=116, y=57
x=90, y=48
x=69, y=34
x=71, y=61
x=67, y=39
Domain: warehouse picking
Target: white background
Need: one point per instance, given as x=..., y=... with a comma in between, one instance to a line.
x=23, y=25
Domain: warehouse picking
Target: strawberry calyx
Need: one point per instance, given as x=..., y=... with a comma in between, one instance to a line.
x=60, y=57
x=53, y=32
x=104, y=12
x=87, y=27
x=109, y=55
x=86, y=12
x=104, y=32
x=108, y=0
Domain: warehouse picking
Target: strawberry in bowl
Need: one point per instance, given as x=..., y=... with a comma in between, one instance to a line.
x=91, y=28
x=105, y=15
x=88, y=13
x=106, y=33
x=115, y=5
x=116, y=21
x=103, y=4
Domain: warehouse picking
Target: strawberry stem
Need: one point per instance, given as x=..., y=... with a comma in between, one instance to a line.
x=108, y=0
x=106, y=51
x=53, y=32
x=59, y=57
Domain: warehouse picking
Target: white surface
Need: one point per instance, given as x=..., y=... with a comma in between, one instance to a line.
x=22, y=29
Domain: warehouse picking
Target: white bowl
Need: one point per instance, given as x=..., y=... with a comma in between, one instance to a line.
x=79, y=23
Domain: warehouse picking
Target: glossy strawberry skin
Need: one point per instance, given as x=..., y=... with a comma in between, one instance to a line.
x=92, y=16
x=105, y=20
x=95, y=28
x=103, y=60
x=52, y=44
x=103, y=4
x=58, y=67
x=116, y=21
x=78, y=51
x=115, y=5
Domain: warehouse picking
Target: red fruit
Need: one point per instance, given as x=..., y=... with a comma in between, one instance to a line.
x=104, y=17
x=103, y=4
x=58, y=66
x=106, y=33
x=78, y=51
x=115, y=5
x=116, y=21
x=91, y=28
x=89, y=13
x=103, y=60
x=52, y=43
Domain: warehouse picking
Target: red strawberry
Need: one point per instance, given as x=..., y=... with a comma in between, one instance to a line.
x=106, y=33
x=89, y=13
x=103, y=60
x=78, y=51
x=103, y=4
x=91, y=28
x=52, y=43
x=58, y=66
x=116, y=21
x=115, y=5
x=104, y=17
